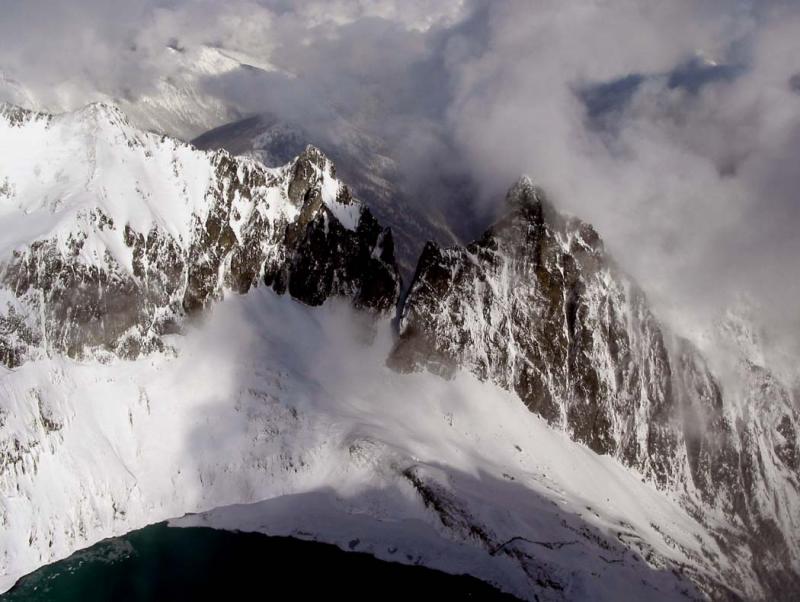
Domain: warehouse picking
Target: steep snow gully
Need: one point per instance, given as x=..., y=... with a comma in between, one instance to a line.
x=191, y=334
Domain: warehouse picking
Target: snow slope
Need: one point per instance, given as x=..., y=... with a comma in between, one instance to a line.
x=175, y=100
x=271, y=402
x=55, y=168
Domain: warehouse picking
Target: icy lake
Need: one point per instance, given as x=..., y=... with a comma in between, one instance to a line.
x=197, y=563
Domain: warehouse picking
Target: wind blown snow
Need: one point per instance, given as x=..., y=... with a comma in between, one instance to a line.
x=268, y=401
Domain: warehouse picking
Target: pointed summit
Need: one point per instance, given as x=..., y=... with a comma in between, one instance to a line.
x=524, y=193
x=315, y=156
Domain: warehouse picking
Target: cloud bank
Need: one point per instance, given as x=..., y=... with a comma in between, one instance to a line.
x=674, y=127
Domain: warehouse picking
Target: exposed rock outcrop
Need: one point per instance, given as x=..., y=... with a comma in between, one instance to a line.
x=537, y=307
x=114, y=237
x=100, y=283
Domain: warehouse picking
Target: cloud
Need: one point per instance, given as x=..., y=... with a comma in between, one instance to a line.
x=674, y=127
x=692, y=186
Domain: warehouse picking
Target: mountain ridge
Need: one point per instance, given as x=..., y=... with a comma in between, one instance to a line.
x=534, y=307
x=136, y=231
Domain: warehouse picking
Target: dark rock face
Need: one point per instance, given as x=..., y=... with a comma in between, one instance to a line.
x=537, y=307
x=15, y=338
x=323, y=257
x=364, y=162
x=66, y=305
x=532, y=306
x=78, y=306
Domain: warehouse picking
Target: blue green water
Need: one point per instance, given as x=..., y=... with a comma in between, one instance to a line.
x=162, y=563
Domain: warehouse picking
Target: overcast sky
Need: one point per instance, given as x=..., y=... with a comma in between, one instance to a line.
x=674, y=127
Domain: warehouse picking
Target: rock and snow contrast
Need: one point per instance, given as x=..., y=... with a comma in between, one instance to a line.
x=365, y=164
x=111, y=235
x=187, y=333
x=538, y=308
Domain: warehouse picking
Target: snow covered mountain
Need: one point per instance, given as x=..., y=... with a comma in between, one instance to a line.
x=175, y=102
x=190, y=331
x=111, y=235
x=537, y=307
x=365, y=164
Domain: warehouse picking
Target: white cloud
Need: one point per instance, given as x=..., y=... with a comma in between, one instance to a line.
x=694, y=190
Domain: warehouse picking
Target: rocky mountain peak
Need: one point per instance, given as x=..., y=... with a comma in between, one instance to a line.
x=127, y=240
x=104, y=111
x=528, y=212
x=313, y=155
x=111, y=237
x=524, y=193
x=537, y=307
x=313, y=172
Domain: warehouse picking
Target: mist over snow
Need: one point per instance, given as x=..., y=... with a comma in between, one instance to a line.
x=184, y=329
x=673, y=127
x=286, y=418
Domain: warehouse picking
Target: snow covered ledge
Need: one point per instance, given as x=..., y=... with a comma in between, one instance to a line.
x=290, y=408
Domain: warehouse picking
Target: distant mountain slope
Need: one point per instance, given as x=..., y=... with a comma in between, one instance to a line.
x=174, y=99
